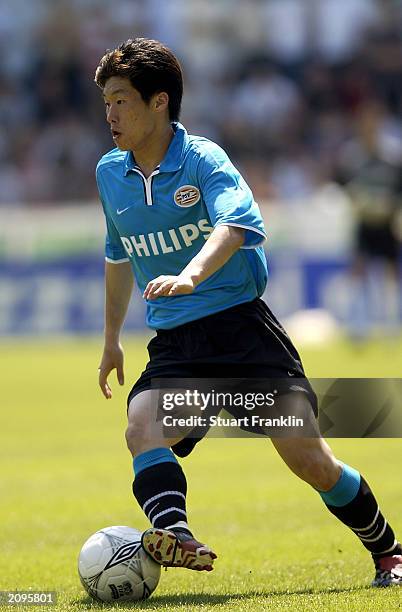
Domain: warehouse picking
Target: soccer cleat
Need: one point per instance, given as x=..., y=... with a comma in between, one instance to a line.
x=177, y=549
x=388, y=571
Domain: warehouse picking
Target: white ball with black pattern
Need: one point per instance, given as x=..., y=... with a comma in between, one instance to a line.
x=113, y=566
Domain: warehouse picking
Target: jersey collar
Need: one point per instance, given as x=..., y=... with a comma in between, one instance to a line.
x=174, y=157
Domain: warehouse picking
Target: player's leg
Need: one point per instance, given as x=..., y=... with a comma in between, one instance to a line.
x=392, y=294
x=160, y=488
x=349, y=497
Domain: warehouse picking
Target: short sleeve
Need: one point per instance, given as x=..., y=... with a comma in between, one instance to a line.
x=228, y=198
x=114, y=250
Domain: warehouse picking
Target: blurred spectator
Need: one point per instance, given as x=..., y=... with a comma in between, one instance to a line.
x=370, y=166
x=384, y=59
x=339, y=26
x=263, y=106
x=286, y=31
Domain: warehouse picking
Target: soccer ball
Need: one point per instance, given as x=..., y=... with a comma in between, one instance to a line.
x=113, y=566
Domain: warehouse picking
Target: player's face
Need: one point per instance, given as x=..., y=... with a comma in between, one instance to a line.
x=131, y=120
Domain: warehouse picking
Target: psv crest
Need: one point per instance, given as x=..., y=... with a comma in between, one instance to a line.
x=187, y=195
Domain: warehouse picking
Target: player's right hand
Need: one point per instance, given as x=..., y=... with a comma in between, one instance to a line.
x=112, y=359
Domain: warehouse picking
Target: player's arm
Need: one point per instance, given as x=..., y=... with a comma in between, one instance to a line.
x=223, y=242
x=118, y=289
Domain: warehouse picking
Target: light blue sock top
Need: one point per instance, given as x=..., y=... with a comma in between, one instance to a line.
x=153, y=457
x=345, y=490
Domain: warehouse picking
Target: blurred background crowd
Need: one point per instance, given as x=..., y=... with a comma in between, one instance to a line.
x=306, y=97
x=284, y=85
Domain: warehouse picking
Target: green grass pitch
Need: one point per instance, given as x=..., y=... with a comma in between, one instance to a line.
x=65, y=472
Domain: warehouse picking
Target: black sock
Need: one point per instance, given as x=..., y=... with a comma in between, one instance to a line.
x=161, y=492
x=363, y=516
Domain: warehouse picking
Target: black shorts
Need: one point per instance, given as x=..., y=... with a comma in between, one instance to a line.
x=245, y=341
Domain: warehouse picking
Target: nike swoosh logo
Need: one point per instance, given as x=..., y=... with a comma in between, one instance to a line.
x=120, y=211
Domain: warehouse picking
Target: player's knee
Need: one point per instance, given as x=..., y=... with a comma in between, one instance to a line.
x=136, y=434
x=140, y=417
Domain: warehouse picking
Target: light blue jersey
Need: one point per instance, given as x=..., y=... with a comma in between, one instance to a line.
x=160, y=223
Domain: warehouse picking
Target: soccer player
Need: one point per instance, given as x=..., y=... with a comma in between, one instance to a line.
x=372, y=176
x=183, y=221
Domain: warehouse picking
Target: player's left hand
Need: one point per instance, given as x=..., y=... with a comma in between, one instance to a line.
x=168, y=286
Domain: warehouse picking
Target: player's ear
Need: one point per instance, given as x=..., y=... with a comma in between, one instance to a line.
x=161, y=101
